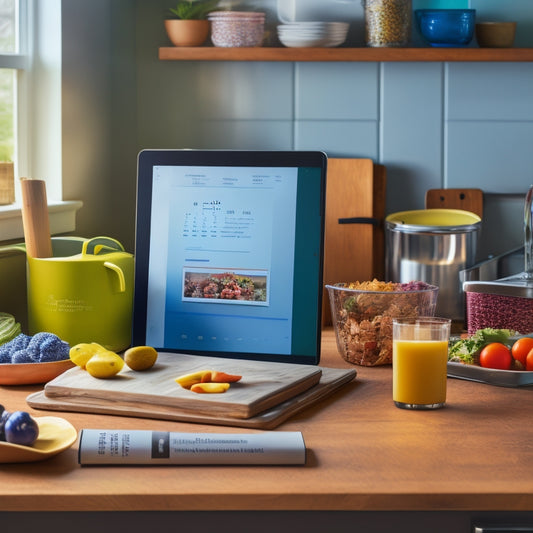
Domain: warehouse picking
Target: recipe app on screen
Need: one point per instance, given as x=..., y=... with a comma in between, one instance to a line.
x=223, y=281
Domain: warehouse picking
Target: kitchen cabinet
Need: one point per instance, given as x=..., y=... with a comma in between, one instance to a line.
x=210, y=53
x=370, y=467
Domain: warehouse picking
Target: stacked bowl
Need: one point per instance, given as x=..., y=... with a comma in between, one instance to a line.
x=237, y=28
x=310, y=34
x=446, y=27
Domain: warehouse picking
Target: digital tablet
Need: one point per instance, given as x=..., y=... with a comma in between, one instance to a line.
x=229, y=253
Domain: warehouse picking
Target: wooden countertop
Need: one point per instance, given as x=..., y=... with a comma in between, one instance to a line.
x=363, y=454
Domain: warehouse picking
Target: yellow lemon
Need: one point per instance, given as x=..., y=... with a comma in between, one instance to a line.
x=140, y=357
x=81, y=353
x=104, y=364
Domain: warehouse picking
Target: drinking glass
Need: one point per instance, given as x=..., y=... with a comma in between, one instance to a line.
x=419, y=362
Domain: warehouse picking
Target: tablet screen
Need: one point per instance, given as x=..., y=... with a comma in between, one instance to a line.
x=229, y=252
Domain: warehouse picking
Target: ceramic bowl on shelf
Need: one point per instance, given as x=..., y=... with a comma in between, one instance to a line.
x=446, y=27
x=237, y=28
x=495, y=34
x=309, y=34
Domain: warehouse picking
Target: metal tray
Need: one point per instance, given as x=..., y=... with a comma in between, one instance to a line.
x=501, y=378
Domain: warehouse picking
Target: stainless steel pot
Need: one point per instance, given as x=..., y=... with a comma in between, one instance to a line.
x=433, y=245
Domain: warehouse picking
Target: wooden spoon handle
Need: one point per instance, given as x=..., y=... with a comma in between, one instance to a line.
x=35, y=218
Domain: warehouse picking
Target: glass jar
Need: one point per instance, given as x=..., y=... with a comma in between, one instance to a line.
x=387, y=22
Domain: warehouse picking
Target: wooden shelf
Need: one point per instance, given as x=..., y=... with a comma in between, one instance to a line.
x=211, y=53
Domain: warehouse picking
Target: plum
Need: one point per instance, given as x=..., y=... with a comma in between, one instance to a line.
x=21, y=428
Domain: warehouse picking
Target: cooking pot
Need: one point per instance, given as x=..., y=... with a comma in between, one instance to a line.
x=433, y=245
x=83, y=293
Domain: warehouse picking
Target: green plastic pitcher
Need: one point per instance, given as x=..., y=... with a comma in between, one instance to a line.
x=83, y=293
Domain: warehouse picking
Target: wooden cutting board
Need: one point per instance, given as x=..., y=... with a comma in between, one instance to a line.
x=354, y=234
x=466, y=199
x=263, y=386
x=331, y=380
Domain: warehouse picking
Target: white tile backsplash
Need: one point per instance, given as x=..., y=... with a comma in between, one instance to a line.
x=496, y=157
x=337, y=91
x=489, y=91
x=341, y=138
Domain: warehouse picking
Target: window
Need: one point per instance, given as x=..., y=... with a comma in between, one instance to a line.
x=30, y=107
x=11, y=61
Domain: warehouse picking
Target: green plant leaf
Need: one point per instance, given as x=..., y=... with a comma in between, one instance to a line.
x=193, y=9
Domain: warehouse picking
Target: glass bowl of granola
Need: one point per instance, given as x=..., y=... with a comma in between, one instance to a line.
x=363, y=311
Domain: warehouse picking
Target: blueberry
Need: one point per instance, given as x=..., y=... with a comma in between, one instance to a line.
x=34, y=346
x=3, y=418
x=21, y=428
x=53, y=349
x=22, y=356
x=45, y=347
x=37, y=339
x=20, y=342
x=5, y=355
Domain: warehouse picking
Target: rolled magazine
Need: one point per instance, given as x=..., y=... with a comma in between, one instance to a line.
x=120, y=447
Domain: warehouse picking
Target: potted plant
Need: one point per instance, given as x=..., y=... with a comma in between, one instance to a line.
x=189, y=25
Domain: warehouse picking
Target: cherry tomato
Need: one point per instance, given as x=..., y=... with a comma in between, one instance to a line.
x=521, y=348
x=529, y=360
x=496, y=355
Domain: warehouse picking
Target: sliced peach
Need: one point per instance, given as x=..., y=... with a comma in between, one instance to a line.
x=221, y=377
x=210, y=388
x=187, y=380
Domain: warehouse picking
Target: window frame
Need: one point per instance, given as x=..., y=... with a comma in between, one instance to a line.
x=38, y=116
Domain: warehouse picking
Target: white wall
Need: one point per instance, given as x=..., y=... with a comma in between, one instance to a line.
x=87, y=113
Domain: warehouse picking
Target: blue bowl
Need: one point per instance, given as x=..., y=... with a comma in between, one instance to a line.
x=446, y=27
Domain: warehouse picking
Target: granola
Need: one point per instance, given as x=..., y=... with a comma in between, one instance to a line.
x=363, y=314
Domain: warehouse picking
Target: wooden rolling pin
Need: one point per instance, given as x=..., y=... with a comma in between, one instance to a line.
x=35, y=218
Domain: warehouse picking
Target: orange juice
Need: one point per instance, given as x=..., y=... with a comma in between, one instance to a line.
x=419, y=371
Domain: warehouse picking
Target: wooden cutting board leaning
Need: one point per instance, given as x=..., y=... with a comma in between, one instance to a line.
x=465, y=199
x=354, y=232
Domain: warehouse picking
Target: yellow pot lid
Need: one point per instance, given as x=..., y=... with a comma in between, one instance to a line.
x=435, y=218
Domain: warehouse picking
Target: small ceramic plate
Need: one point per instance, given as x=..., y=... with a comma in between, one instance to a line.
x=55, y=435
x=32, y=373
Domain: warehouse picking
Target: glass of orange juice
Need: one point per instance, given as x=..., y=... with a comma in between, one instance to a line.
x=419, y=362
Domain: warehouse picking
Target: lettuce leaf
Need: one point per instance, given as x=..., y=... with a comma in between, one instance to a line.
x=467, y=350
